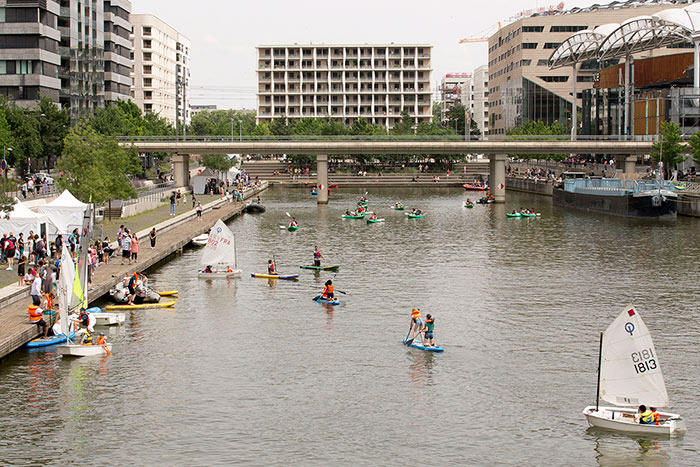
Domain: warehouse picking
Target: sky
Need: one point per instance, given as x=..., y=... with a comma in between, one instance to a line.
x=224, y=33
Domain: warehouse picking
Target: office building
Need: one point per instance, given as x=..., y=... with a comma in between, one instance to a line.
x=117, y=46
x=195, y=109
x=475, y=97
x=345, y=82
x=161, y=69
x=451, y=91
x=523, y=88
x=29, y=58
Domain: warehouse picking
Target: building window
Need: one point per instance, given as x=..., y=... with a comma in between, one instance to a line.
x=147, y=82
x=533, y=28
x=542, y=62
x=146, y=30
x=147, y=56
x=551, y=45
x=529, y=45
x=147, y=69
x=554, y=79
x=147, y=44
x=567, y=28
x=525, y=62
x=584, y=79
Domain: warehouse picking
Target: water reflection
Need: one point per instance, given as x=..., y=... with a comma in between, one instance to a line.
x=614, y=450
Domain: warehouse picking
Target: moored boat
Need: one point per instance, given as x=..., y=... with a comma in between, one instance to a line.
x=142, y=306
x=320, y=268
x=200, y=240
x=105, y=318
x=629, y=375
x=472, y=187
x=50, y=340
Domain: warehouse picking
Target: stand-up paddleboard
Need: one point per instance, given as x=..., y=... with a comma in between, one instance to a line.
x=417, y=344
x=167, y=293
x=47, y=341
x=276, y=276
x=141, y=306
x=320, y=268
x=320, y=299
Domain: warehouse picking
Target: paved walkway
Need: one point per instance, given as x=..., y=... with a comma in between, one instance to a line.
x=174, y=234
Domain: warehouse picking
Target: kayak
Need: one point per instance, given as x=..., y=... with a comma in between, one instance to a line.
x=398, y=208
x=469, y=186
x=314, y=193
x=276, y=276
x=320, y=299
x=292, y=228
x=374, y=221
x=362, y=203
x=167, y=293
x=417, y=344
x=357, y=216
x=141, y=306
x=468, y=205
x=320, y=268
x=414, y=216
x=51, y=340
x=517, y=214
x=522, y=214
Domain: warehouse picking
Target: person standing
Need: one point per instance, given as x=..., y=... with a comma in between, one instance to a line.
x=21, y=264
x=126, y=247
x=172, y=204
x=134, y=248
x=317, y=257
x=194, y=201
x=59, y=245
x=35, y=291
x=10, y=251
x=153, y=236
x=417, y=325
x=199, y=211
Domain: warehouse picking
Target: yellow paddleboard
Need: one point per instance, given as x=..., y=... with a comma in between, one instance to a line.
x=167, y=293
x=141, y=306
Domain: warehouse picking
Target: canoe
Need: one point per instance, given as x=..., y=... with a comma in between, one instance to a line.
x=141, y=306
x=320, y=299
x=234, y=274
x=469, y=186
x=292, y=228
x=374, y=221
x=398, y=208
x=320, y=268
x=51, y=340
x=359, y=216
x=166, y=293
x=517, y=214
x=414, y=216
x=417, y=344
x=468, y=205
x=78, y=350
x=288, y=277
x=522, y=214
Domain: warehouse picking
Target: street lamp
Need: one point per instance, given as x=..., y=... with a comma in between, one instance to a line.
x=4, y=167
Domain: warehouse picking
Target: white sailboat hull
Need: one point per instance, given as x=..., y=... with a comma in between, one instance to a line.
x=78, y=350
x=235, y=274
x=201, y=240
x=109, y=319
x=621, y=420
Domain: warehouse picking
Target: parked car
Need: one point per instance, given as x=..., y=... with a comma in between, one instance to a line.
x=41, y=176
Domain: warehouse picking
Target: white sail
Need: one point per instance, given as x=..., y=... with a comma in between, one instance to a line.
x=221, y=247
x=630, y=372
x=64, y=288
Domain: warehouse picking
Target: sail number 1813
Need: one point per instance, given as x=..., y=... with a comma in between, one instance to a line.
x=644, y=361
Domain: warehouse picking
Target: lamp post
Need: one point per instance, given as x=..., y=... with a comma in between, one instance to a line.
x=232, y=128
x=4, y=167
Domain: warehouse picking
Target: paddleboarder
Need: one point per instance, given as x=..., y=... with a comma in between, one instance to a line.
x=417, y=323
x=293, y=223
x=271, y=268
x=429, y=326
x=317, y=256
x=328, y=290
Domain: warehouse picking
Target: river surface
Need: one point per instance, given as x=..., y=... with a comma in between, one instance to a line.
x=253, y=372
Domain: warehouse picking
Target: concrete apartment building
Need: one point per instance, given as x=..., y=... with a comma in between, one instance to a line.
x=161, y=69
x=345, y=82
x=521, y=85
x=475, y=97
x=117, y=36
x=451, y=87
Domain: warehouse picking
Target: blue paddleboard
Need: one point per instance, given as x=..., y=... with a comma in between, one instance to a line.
x=94, y=309
x=318, y=298
x=51, y=340
x=417, y=344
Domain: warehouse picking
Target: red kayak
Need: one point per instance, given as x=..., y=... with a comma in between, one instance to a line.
x=469, y=186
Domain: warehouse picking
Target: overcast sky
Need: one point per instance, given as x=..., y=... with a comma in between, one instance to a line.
x=224, y=33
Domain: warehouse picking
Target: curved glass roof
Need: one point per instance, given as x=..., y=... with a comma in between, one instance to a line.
x=641, y=34
x=580, y=46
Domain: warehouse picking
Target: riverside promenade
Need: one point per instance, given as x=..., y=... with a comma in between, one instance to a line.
x=173, y=235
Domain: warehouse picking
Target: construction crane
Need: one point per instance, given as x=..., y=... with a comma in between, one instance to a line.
x=482, y=36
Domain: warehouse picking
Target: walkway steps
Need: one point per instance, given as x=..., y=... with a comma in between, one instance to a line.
x=173, y=235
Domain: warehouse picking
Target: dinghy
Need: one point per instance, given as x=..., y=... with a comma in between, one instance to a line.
x=629, y=374
x=106, y=318
x=219, y=254
x=200, y=240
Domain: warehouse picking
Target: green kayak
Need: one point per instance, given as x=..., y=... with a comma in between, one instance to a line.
x=292, y=228
x=517, y=214
x=320, y=268
x=398, y=208
x=414, y=216
x=357, y=216
x=362, y=203
x=468, y=205
x=374, y=221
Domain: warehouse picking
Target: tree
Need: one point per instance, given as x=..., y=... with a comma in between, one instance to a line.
x=6, y=202
x=53, y=127
x=695, y=147
x=670, y=149
x=95, y=166
x=218, y=162
x=456, y=117
x=544, y=131
x=25, y=135
x=404, y=126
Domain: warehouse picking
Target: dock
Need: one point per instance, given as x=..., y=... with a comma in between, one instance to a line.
x=173, y=234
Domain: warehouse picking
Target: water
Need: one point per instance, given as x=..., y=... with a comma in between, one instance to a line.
x=253, y=372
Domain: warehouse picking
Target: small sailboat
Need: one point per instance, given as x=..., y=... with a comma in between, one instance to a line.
x=629, y=374
x=201, y=240
x=219, y=255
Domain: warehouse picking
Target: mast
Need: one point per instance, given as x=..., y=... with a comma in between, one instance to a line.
x=600, y=359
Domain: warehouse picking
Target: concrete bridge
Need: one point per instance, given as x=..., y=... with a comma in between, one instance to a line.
x=626, y=151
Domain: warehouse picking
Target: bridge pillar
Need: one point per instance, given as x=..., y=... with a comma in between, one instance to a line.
x=630, y=166
x=497, y=177
x=181, y=169
x=322, y=173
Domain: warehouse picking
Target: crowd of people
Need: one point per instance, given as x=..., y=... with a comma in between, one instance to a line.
x=34, y=185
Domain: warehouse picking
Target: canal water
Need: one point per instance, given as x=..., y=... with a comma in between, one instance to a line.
x=254, y=372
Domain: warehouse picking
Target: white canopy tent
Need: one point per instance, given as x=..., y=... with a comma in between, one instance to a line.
x=22, y=220
x=65, y=213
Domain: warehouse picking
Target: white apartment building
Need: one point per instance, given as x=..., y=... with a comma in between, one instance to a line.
x=451, y=87
x=345, y=82
x=117, y=40
x=161, y=69
x=475, y=97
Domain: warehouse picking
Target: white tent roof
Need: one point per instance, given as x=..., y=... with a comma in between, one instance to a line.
x=22, y=212
x=67, y=200
x=65, y=213
x=22, y=220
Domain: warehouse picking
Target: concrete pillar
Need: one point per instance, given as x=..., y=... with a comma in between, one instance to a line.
x=322, y=171
x=630, y=166
x=574, y=113
x=497, y=179
x=181, y=169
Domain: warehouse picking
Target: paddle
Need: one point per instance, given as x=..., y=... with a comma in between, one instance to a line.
x=406, y=341
x=107, y=350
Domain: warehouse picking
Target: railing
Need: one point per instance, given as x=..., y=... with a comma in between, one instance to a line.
x=153, y=193
x=39, y=192
x=614, y=184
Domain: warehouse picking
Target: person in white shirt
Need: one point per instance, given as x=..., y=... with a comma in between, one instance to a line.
x=36, y=290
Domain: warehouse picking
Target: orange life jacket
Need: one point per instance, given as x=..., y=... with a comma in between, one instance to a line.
x=100, y=340
x=415, y=314
x=49, y=302
x=327, y=290
x=34, y=313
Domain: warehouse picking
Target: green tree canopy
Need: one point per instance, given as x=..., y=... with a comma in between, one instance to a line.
x=456, y=118
x=95, y=166
x=670, y=149
x=544, y=131
x=695, y=147
x=53, y=128
x=220, y=162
